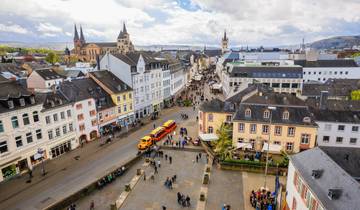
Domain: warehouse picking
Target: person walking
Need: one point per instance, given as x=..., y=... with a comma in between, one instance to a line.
x=166, y=156
x=170, y=159
x=159, y=163
x=154, y=125
x=187, y=200
x=197, y=159
x=200, y=155
x=163, y=207
x=156, y=170
x=144, y=176
x=92, y=205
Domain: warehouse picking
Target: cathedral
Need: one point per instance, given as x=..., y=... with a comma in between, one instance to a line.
x=88, y=52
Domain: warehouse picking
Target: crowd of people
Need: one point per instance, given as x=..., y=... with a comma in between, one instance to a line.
x=262, y=200
x=183, y=200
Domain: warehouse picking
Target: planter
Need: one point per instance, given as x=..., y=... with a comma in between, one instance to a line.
x=207, y=169
x=202, y=197
x=206, y=179
x=138, y=171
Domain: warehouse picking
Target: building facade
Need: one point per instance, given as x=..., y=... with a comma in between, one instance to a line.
x=88, y=52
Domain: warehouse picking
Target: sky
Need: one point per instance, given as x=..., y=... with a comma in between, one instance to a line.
x=191, y=22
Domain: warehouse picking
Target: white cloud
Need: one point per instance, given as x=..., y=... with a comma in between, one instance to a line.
x=166, y=22
x=13, y=29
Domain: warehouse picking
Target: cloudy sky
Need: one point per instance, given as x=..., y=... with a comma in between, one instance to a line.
x=199, y=22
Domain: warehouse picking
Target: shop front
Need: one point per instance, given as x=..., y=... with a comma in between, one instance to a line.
x=60, y=149
x=9, y=171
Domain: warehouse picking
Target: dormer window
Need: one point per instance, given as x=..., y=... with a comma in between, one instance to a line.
x=10, y=104
x=285, y=115
x=32, y=100
x=266, y=114
x=248, y=112
x=22, y=101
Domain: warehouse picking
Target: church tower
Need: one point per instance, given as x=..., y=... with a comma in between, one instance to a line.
x=77, y=42
x=124, y=45
x=82, y=38
x=224, y=43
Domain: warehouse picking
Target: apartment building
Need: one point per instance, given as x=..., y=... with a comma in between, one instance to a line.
x=43, y=79
x=323, y=178
x=284, y=117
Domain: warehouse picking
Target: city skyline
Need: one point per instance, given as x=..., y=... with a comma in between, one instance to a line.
x=276, y=22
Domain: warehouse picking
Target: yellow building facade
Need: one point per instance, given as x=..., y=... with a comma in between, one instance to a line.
x=210, y=122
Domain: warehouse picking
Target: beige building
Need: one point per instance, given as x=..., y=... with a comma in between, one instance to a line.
x=43, y=79
x=282, y=116
x=88, y=52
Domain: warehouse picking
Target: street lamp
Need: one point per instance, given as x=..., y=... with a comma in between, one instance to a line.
x=271, y=108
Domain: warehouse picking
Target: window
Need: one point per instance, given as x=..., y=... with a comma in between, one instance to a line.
x=57, y=132
x=64, y=129
x=353, y=140
x=14, y=122
x=78, y=106
x=92, y=113
x=29, y=138
x=62, y=115
x=277, y=142
x=339, y=140
x=124, y=97
x=285, y=115
x=355, y=129
x=36, y=116
x=327, y=127
x=252, y=128
x=293, y=204
x=71, y=128
x=50, y=134
x=228, y=118
x=341, y=127
x=130, y=95
x=265, y=129
x=89, y=103
x=81, y=127
x=248, y=113
x=210, y=129
x=266, y=114
x=3, y=147
x=125, y=109
x=38, y=134
x=241, y=127
x=291, y=131
x=1, y=127
x=277, y=130
x=119, y=109
x=80, y=117
x=305, y=138
x=118, y=99
x=289, y=146
x=47, y=119
x=55, y=116
x=326, y=139
x=68, y=113
x=93, y=122
x=18, y=141
x=210, y=117
x=130, y=107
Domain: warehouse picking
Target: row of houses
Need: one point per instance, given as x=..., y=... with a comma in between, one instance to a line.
x=47, y=114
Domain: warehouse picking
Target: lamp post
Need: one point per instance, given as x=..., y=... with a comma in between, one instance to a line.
x=271, y=108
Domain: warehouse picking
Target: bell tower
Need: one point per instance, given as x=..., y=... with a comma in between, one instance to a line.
x=224, y=43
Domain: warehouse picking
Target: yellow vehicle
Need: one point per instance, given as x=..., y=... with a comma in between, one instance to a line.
x=145, y=142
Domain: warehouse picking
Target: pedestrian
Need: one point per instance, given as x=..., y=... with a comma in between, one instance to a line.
x=197, y=159
x=159, y=163
x=156, y=171
x=200, y=155
x=92, y=205
x=152, y=177
x=187, y=200
x=170, y=184
x=30, y=174
x=163, y=207
x=166, y=156
x=179, y=196
x=154, y=125
x=170, y=159
x=144, y=176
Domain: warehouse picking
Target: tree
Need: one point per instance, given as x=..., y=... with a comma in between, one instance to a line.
x=52, y=58
x=223, y=146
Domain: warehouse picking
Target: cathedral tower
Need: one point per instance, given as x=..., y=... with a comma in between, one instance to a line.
x=124, y=45
x=224, y=43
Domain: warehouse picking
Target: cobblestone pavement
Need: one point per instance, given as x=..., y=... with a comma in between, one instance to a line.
x=152, y=195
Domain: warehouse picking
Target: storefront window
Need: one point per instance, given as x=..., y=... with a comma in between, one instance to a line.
x=9, y=171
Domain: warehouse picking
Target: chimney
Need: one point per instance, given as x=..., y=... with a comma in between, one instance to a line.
x=98, y=62
x=323, y=99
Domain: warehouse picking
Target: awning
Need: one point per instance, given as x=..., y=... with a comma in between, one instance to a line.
x=216, y=86
x=208, y=137
x=244, y=145
x=272, y=148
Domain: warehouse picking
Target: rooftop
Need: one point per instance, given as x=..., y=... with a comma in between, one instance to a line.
x=337, y=116
x=49, y=74
x=335, y=87
x=334, y=175
x=111, y=81
x=326, y=63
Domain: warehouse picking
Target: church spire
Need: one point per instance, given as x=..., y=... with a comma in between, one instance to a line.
x=225, y=38
x=76, y=34
x=124, y=29
x=82, y=38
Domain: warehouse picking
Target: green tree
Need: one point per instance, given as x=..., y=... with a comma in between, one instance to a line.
x=52, y=58
x=355, y=95
x=223, y=146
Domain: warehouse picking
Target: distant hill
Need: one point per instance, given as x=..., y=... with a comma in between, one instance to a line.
x=338, y=42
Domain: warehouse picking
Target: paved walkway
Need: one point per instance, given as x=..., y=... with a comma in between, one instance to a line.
x=149, y=195
x=67, y=175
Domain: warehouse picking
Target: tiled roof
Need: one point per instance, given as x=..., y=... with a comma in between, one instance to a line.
x=335, y=87
x=103, y=44
x=111, y=81
x=216, y=105
x=336, y=105
x=266, y=71
x=49, y=74
x=337, y=116
x=334, y=175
